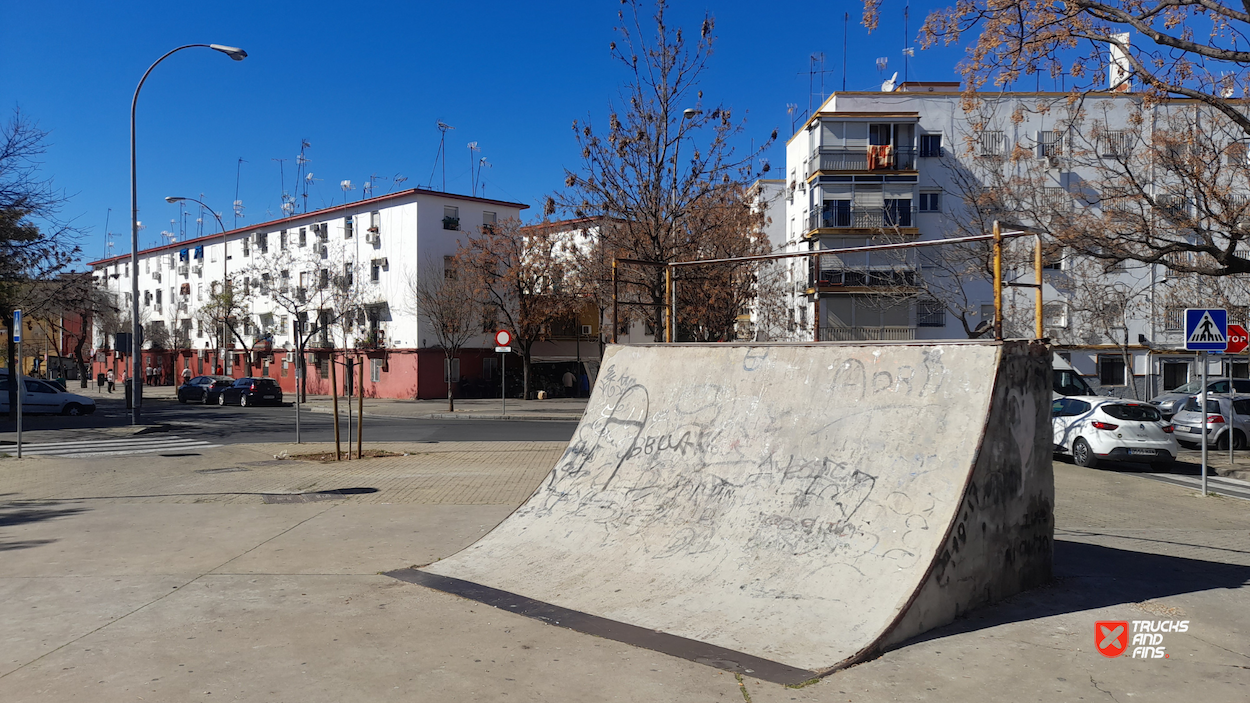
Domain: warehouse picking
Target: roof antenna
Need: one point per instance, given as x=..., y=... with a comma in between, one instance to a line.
x=238, y=204
x=442, y=148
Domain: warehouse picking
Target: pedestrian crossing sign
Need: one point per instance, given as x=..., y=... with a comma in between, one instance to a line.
x=1206, y=329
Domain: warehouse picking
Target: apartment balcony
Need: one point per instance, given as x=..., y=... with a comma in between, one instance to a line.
x=867, y=334
x=863, y=218
x=864, y=158
x=862, y=278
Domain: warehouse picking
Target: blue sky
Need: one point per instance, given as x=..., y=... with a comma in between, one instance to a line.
x=365, y=84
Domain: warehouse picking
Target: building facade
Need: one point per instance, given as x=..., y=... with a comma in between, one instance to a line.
x=916, y=164
x=339, y=279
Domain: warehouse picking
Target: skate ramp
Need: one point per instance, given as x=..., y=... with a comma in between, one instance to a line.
x=783, y=510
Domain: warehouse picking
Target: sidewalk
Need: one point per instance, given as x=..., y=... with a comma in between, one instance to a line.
x=554, y=409
x=231, y=575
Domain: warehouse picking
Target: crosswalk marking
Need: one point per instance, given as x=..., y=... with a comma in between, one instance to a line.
x=114, y=447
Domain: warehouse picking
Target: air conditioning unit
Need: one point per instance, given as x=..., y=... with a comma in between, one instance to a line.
x=198, y=269
x=156, y=275
x=372, y=237
x=290, y=357
x=1053, y=161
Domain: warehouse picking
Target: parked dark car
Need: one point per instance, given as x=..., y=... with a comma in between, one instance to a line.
x=203, y=389
x=252, y=391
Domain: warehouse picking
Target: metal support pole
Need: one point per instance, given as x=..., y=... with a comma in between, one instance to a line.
x=334, y=395
x=816, y=319
x=1038, y=313
x=297, y=380
x=998, y=281
x=672, y=305
x=616, y=322
x=348, y=375
x=503, y=382
x=1202, y=401
x=21, y=388
x=360, y=414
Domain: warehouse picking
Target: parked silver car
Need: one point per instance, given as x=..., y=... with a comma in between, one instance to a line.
x=1172, y=401
x=1223, y=412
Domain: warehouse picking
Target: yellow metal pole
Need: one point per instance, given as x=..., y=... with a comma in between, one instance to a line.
x=668, y=297
x=998, y=281
x=1037, y=278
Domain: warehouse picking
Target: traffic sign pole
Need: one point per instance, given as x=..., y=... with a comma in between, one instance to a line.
x=1203, y=403
x=18, y=386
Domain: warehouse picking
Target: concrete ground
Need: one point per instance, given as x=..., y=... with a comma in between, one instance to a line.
x=232, y=575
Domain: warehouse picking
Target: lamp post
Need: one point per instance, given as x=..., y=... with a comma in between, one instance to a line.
x=221, y=351
x=136, y=344
x=670, y=293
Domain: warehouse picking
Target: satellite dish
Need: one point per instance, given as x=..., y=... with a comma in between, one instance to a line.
x=888, y=86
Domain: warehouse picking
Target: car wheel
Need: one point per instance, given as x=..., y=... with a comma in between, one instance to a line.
x=242, y=401
x=204, y=398
x=221, y=399
x=1222, y=443
x=1083, y=454
x=72, y=409
x=182, y=399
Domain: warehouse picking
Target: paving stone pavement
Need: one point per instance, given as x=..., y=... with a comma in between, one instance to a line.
x=175, y=578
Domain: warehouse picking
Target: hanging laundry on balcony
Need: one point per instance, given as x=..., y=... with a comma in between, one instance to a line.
x=880, y=156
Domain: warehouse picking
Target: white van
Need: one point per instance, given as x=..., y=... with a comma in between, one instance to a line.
x=45, y=397
x=1066, y=380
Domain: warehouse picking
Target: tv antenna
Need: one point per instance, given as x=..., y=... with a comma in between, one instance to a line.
x=371, y=185
x=908, y=51
x=815, y=67
x=346, y=186
x=791, y=108
x=473, y=149
x=396, y=181
x=238, y=204
x=301, y=160
x=108, y=236
x=443, y=127
x=883, y=62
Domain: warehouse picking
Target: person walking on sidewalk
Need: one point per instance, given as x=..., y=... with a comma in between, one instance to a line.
x=111, y=379
x=568, y=379
x=186, y=374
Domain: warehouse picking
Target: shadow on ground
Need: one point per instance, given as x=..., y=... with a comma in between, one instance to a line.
x=16, y=514
x=1089, y=576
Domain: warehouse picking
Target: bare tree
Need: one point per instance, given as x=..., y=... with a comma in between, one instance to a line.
x=35, y=243
x=636, y=174
x=446, y=301
x=521, y=275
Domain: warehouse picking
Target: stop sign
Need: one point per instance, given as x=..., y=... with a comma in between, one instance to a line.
x=1237, y=341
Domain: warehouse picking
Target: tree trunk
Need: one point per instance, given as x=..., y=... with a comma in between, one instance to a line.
x=525, y=374
x=301, y=364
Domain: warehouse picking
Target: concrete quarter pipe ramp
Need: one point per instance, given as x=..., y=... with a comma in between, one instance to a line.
x=785, y=510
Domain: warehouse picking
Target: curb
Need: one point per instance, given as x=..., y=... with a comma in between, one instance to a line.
x=456, y=416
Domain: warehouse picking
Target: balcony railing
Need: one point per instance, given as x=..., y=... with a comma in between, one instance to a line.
x=863, y=218
x=863, y=278
x=867, y=334
x=864, y=158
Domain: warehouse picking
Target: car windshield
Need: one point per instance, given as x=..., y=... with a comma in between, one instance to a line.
x=1191, y=387
x=1133, y=412
x=1069, y=382
x=1213, y=406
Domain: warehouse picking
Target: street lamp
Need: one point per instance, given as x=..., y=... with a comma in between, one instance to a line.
x=670, y=328
x=136, y=344
x=221, y=351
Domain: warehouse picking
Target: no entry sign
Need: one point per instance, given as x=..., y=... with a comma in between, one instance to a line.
x=503, y=338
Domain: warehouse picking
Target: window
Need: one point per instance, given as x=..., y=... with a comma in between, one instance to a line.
x=1049, y=144
x=930, y=313
x=349, y=274
x=282, y=240
x=1236, y=153
x=930, y=145
x=1174, y=207
x=1175, y=374
x=489, y=366
x=1055, y=314
x=1111, y=370
x=987, y=313
x=1055, y=199
x=303, y=237
x=348, y=227
x=1115, y=143
x=489, y=220
x=375, y=270
x=451, y=217
x=375, y=221
x=930, y=202
x=158, y=296
x=1052, y=257
x=375, y=370
x=1132, y=412
x=323, y=279
x=991, y=144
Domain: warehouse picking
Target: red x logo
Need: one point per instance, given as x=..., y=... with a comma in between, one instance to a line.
x=1111, y=637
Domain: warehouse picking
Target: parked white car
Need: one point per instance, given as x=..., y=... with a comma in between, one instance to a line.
x=1223, y=411
x=1094, y=429
x=44, y=397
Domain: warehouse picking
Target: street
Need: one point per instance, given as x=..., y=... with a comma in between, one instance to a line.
x=236, y=425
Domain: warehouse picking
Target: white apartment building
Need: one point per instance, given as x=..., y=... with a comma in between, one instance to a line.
x=886, y=167
x=377, y=246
